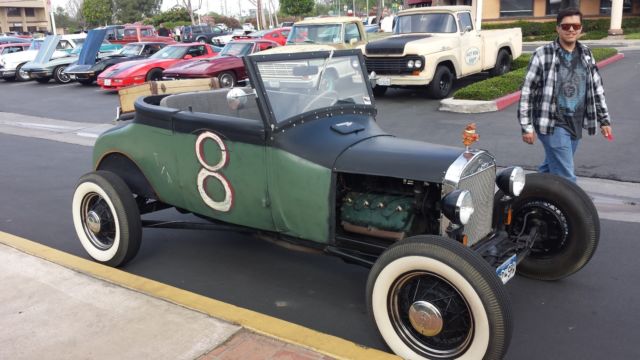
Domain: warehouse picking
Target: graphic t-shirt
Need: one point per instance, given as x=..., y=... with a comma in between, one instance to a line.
x=571, y=88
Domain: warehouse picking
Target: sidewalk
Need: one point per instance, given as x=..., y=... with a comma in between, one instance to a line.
x=479, y=106
x=59, y=306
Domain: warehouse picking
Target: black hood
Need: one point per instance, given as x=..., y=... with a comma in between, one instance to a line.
x=400, y=158
x=392, y=45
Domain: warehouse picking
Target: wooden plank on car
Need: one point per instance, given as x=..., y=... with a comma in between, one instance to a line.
x=129, y=94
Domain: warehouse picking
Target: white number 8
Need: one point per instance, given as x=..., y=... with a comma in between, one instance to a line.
x=208, y=171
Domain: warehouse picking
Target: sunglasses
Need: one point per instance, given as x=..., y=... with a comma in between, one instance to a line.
x=567, y=27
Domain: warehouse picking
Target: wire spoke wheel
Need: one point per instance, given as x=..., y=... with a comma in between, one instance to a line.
x=98, y=221
x=429, y=313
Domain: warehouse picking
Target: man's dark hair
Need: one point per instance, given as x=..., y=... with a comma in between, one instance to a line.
x=568, y=12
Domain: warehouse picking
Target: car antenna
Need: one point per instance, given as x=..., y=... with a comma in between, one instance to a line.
x=324, y=66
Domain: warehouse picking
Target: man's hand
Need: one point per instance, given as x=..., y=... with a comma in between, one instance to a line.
x=529, y=138
x=606, y=131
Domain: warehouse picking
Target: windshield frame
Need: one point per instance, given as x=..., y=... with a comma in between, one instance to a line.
x=170, y=49
x=296, y=29
x=399, y=20
x=268, y=114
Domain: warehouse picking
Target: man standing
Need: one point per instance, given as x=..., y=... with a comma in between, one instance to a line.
x=562, y=94
x=163, y=31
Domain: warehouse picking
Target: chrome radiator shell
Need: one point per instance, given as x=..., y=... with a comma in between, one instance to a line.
x=474, y=170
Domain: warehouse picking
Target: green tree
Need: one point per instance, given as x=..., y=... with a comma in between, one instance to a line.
x=130, y=11
x=177, y=14
x=297, y=7
x=64, y=20
x=97, y=12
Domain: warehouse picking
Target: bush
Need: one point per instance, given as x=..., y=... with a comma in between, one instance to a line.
x=512, y=81
x=546, y=31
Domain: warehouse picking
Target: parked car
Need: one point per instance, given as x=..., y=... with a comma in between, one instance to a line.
x=300, y=163
x=44, y=68
x=201, y=33
x=12, y=48
x=339, y=32
x=13, y=40
x=248, y=27
x=87, y=69
x=277, y=35
x=222, y=40
x=136, y=72
x=138, y=33
x=228, y=66
x=11, y=66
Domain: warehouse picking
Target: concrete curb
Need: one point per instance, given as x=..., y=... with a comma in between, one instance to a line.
x=478, y=106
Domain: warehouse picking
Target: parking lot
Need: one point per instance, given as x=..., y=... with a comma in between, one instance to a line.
x=586, y=316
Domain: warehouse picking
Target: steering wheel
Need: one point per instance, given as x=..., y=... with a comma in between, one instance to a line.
x=330, y=96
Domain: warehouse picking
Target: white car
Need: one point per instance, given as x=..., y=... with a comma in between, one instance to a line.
x=248, y=27
x=11, y=64
x=222, y=40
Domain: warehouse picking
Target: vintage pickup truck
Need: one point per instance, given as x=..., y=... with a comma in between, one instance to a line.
x=433, y=46
x=338, y=32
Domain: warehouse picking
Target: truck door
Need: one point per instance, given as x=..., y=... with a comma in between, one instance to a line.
x=470, y=45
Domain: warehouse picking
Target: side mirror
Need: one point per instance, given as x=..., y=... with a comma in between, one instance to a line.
x=353, y=41
x=187, y=57
x=468, y=28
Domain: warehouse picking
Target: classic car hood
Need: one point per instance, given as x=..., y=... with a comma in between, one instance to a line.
x=128, y=67
x=400, y=158
x=408, y=44
x=47, y=49
x=91, y=46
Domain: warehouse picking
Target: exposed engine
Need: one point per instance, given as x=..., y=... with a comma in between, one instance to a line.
x=387, y=208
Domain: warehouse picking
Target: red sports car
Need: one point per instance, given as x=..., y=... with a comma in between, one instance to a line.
x=279, y=35
x=227, y=66
x=139, y=71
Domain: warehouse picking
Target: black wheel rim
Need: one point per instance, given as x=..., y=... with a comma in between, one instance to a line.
x=62, y=76
x=94, y=207
x=445, y=84
x=552, y=224
x=457, y=329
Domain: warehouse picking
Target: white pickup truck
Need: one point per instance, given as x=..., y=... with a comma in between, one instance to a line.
x=433, y=46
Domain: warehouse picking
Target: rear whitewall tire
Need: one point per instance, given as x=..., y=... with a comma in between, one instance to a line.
x=124, y=213
x=391, y=272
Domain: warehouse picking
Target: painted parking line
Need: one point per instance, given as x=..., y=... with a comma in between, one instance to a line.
x=19, y=83
x=262, y=324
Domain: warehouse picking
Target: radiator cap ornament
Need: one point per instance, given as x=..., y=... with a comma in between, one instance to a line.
x=469, y=136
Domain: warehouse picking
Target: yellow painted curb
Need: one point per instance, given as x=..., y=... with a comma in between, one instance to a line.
x=254, y=321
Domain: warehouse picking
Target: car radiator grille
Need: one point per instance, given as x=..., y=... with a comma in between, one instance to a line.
x=278, y=69
x=390, y=66
x=482, y=186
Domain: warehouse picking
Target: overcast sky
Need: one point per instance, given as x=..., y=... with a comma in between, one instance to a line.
x=233, y=6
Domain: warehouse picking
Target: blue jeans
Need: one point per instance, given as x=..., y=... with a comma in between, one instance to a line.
x=559, y=148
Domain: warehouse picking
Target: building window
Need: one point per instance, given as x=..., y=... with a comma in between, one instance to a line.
x=554, y=6
x=516, y=8
x=30, y=12
x=605, y=7
x=13, y=12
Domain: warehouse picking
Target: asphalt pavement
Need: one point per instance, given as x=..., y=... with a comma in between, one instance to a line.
x=57, y=304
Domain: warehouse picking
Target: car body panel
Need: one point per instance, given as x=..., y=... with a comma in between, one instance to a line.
x=285, y=170
x=11, y=48
x=12, y=61
x=276, y=35
x=134, y=72
x=91, y=71
x=213, y=66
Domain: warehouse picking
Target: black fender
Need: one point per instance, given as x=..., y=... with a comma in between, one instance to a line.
x=128, y=171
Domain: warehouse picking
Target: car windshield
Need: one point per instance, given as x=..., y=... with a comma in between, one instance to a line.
x=130, y=32
x=426, y=23
x=294, y=87
x=236, y=49
x=171, y=52
x=315, y=34
x=131, y=50
x=36, y=44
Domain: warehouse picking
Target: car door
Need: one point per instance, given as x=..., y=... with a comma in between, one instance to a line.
x=470, y=45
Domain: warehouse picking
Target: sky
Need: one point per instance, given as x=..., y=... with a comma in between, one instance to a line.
x=233, y=6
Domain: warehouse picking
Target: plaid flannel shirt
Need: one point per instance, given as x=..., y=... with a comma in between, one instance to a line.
x=538, y=100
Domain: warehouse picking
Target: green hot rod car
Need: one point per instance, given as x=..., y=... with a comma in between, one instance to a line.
x=298, y=157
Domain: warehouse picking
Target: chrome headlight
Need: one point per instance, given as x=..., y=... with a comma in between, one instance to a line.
x=457, y=206
x=511, y=180
x=410, y=64
x=417, y=64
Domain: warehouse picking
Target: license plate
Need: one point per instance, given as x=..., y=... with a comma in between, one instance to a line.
x=507, y=270
x=384, y=81
x=107, y=82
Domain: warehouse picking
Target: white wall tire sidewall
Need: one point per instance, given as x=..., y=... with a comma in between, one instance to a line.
x=81, y=191
x=479, y=343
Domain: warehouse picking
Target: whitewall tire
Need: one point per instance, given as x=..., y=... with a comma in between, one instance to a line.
x=106, y=218
x=432, y=298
